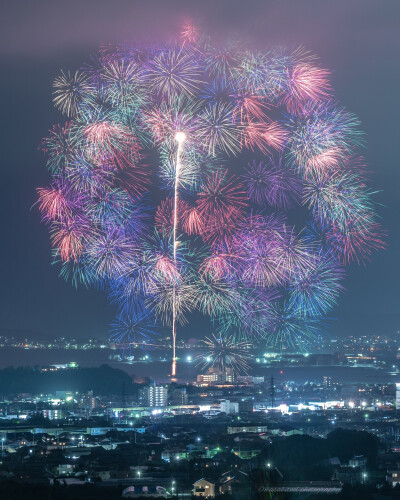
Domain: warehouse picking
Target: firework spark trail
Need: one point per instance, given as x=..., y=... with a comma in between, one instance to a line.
x=180, y=138
x=259, y=249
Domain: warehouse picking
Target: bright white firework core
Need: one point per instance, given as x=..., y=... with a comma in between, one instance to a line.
x=180, y=136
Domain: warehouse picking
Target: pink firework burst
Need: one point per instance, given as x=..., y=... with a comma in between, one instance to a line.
x=304, y=83
x=221, y=196
x=164, y=219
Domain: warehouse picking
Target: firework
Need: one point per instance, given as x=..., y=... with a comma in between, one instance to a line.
x=173, y=302
x=235, y=139
x=172, y=73
x=217, y=129
x=221, y=196
x=268, y=183
x=192, y=222
x=62, y=147
x=68, y=238
x=225, y=352
x=316, y=286
x=263, y=136
x=108, y=253
x=164, y=220
x=133, y=327
x=190, y=33
x=305, y=83
x=70, y=90
x=219, y=265
x=216, y=297
x=124, y=84
x=259, y=244
x=294, y=332
x=58, y=202
x=322, y=128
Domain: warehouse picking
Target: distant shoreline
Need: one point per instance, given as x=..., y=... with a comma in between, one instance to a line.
x=11, y=356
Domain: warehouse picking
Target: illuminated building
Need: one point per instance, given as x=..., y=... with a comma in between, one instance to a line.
x=398, y=395
x=154, y=395
x=217, y=376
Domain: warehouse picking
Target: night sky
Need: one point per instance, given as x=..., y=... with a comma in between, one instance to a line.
x=357, y=39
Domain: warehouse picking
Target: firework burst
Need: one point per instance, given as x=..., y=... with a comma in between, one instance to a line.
x=225, y=352
x=133, y=327
x=71, y=90
x=234, y=139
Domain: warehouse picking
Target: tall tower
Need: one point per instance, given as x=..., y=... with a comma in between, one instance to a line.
x=272, y=392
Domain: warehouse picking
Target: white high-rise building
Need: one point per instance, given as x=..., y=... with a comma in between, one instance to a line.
x=398, y=395
x=158, y=395
x=229, y=407
x=154, y=395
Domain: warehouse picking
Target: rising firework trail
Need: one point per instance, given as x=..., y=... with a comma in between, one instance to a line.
x=180, y=139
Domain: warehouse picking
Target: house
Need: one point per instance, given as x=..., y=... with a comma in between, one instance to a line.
x=284, y=430
x=332, y=461
x=145, y=491
x=358, y=461
x=350, y=475
x=103, y=475
x=393, y=476
x=64, y=469
x=233, y=482
x=236, y=429
x=174, y=453
x=247, y=450
x=204, y=488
